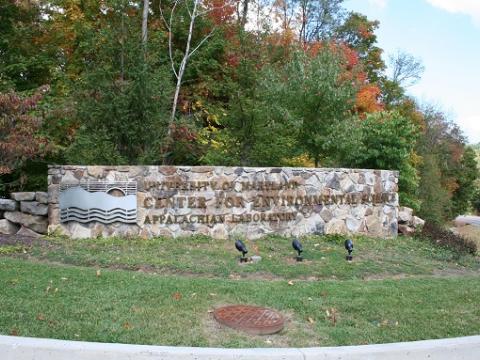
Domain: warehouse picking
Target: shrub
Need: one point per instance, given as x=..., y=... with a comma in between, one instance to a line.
x=446, y=238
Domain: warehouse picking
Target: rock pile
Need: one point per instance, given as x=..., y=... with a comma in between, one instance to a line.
x=26, y=214
x=407, y=222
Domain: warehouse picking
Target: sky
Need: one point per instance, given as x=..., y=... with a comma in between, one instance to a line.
x=445, y=36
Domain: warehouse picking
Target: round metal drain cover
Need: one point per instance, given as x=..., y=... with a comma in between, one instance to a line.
x=251, y=319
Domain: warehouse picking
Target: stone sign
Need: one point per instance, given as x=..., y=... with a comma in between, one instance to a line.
x=146, y=201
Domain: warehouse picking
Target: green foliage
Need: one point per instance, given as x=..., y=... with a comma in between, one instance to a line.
x=256, y=129
x=467, y=173
x=434, y=198
x=26, y=61
x=476, y=200
x=122, y=104
x=384, y=140
x=448, y=171
x=317, y=95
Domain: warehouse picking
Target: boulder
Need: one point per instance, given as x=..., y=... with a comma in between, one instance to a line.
x=33, y=222
x=404, y=215
x=7, y=227
x=23, y=196
x=8, y=205
x=406, y=230
x=34, y=208
x=24, y=231
x=41, y=197
x=417, y=222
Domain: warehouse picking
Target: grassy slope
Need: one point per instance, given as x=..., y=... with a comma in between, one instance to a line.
x=324, y=257
x=420, y=291
x=68, y=302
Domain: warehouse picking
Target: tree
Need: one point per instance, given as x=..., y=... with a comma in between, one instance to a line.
x=26, y=60
x=318, y=92
x=359, y=34
x=406, y=69
x=19, y=127
x=121, y=96
x=193, y=15
x=256, y=129
x=442, y=147
x=433, y=196
x=319, y=19
x=467, y=175
x=384, y=140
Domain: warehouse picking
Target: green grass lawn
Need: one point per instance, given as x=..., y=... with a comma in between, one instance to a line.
x=394, y=290
x=204, y=256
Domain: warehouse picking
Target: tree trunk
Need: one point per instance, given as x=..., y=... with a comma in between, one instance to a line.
x=183, y=64
x=243, y=20
x=146, y=5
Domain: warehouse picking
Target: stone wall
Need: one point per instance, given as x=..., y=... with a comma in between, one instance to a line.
x=229, y=201
x=25, y=213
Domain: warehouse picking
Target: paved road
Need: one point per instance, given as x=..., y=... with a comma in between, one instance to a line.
x=471, y=220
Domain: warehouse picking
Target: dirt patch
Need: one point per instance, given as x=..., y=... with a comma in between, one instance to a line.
x=471, y=232
x=21, y=240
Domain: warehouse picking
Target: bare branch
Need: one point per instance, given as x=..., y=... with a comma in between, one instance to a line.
x=169, y=26
x=406, y=69
x=201, y=42
x=201, y=13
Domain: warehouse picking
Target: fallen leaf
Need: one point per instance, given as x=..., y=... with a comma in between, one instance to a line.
x=98, y=273
x=311, y=321
x=40, y=317
x=126, y=325
x=333, y=316
x=176, y=296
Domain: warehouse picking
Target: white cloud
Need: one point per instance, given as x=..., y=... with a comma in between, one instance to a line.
x=378, y=3
x=466, y=7
x=470, y=124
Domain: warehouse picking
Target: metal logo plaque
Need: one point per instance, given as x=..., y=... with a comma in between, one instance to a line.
x=105, y=202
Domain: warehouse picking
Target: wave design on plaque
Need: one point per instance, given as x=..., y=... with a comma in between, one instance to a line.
x=80, y=205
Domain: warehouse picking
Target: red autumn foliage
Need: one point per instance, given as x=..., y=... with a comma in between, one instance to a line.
x=19, y=140
x=220, y=11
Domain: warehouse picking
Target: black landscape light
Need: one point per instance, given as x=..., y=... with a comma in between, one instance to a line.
x=349, y=248
x=298, y=248
x=242, y=248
